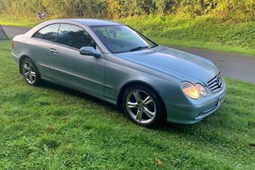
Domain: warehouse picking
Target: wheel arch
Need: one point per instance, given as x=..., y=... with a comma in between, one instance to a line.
x=37, y=80
x=133, y=83
x=20, y=61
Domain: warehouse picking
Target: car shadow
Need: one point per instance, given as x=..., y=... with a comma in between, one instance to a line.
x=75, y=93
x=165, y=127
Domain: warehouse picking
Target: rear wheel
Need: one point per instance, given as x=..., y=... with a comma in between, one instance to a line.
x=143, y=106
x=30, y=72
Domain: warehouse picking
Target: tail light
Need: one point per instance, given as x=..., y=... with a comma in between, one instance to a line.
x=12, y=44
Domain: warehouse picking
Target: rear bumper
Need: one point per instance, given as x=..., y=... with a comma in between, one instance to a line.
x=15, y=58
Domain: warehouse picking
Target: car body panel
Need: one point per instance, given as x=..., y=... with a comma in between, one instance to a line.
x=83, y=71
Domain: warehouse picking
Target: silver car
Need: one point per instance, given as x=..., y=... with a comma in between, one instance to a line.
x=115, y=63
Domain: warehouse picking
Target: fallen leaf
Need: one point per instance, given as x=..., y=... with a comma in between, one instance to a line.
x=51, y=129
x=159, y=162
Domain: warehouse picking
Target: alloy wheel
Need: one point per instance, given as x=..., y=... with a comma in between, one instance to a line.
x=141, y=106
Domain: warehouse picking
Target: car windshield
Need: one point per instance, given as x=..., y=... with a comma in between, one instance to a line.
x=120, y=38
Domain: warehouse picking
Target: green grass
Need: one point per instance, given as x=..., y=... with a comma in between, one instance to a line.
x=206, y=32
x=52, y=127
x=19, y=21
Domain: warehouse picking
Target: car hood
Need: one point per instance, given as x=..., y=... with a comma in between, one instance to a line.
x=173, y=62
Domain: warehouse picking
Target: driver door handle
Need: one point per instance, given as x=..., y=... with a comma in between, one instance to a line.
x=53, y=50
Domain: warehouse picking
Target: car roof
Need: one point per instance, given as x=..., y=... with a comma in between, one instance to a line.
x=94, y=22
x=79, y=21
x=83, y=21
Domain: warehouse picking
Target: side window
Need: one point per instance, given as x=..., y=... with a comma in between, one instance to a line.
x=48, y=33
x=74, y=36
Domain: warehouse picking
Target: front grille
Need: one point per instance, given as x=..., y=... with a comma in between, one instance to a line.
x=215, y=83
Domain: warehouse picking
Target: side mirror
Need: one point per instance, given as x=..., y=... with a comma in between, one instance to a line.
x=87, y=50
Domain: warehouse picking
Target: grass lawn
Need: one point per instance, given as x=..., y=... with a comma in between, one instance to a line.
x=18, y=20
x=51, y=127
x=205, y=32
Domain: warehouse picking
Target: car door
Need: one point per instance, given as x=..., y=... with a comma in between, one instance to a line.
x=68, y=66
x=40, y=44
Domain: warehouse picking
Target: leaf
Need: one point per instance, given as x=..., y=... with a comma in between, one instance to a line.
x=159, y=162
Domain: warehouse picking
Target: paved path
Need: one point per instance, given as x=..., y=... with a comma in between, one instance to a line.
x=237, y=66
x=14, y=30
x=232, y=65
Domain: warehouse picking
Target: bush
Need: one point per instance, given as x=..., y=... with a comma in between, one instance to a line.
x=241, y=10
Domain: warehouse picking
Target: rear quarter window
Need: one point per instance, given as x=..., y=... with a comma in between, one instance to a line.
x=48, y=33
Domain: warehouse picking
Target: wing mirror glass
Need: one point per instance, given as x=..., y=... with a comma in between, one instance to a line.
x=87, y=50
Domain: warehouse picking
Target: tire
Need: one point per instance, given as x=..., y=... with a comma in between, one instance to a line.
x=143, y=106
x=30, y=72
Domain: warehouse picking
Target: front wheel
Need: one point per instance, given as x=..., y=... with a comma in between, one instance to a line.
x=30, y=72
x=143, y=106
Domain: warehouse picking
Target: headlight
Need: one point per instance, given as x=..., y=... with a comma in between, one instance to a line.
x=190, y=90
x=193, y=91
x=201, y=89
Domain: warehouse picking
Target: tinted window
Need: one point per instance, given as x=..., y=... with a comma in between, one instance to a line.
x=74, y=36
x=48, y=33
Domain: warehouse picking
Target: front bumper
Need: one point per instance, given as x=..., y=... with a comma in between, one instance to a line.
x=192, y=113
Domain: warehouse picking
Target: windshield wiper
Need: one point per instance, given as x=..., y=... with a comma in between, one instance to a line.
x=139, y=48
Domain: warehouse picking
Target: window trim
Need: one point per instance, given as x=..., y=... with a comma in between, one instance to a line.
x=55, y=41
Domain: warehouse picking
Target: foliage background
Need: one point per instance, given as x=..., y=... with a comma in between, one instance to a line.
x=241, y=10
